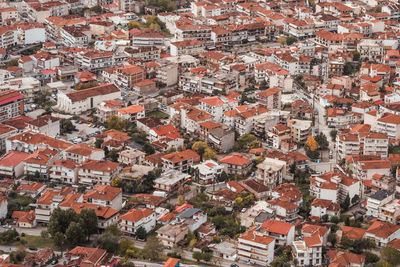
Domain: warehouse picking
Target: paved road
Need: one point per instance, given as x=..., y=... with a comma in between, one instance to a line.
x=28, y=231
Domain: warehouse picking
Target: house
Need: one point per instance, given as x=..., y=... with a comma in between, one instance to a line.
x=270, y=98
x=106, y=216
x=136, y=218
x=321, y=207
x=236, y=163
x=131, y=156
x=186, y=47
x=353, y=233
x=311, y=230
x=208, y=171
x=308, y=251
x=80, y=101
x=81, y=152
x=24, y=219
x=180, y=160
x=29, y=142
x=128, y=76
x=256, y=248
x=12, y=164
x=271, y=172
x=344, y=258
x=170, y=180
x=171, y=234
x=46, y=204
x=64, y=171
x=47, y=125
x=33, y=190
x=91, y=256
x=389, y=124
x=368, y=168
x=284, y=210
x=382, y=233
x=107, y=108
x=39, y=162
x=300, y=130
x=106, y=196
x=376, y=201
x=131, y=113
x=282, y=232
x=5, y=132
x=97, y=172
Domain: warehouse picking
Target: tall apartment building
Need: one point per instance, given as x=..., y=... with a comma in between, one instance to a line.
x=11, y=104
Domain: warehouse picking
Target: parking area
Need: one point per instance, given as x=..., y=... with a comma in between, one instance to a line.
x=83, y=133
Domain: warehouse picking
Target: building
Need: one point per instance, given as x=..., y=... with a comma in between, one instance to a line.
x=97, y=172
x=382, y=233
x=180, y=161
x=136, y=218
x=171, y=234
x=208, y=171
x=237, y=164
x=11, y=104
x=324, y=207
x=271, y=172
x=106, y=196
x=300, y=130
x=80, y=101
x=64, y=171
x=256, y=248
x=12, y=164
x=377, y=200
x=270, y=98
x=170, y=180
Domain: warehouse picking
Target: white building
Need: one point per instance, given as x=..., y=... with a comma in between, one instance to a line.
x=208, y=171
x=80, y=101
x=136, y=218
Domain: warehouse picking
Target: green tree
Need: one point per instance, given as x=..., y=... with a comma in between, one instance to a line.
x=97, y=9
x=59, y=241
x=60, y=220
x=44, y=234
x=348, y=68
x=66, y=126
x=346, y=243
x=11, y=63
x=98, y=143
x=113, y=229
x=346, y=203
x=153, y=248
x=371, y=258
x=333, y=134
x=88, y=222
x=141, y=233
x=148, y=149
x=332, y=239
x=322, y=141
x=355, y=199
x=356, y=55
x=108, y=242
x=290, y=40
x=74, y=234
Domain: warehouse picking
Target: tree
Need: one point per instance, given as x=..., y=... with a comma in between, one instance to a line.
x=98, y=143
x=322, y=141
x=282, y=40
x=346, y=243
x=116, y=123
x=148, y=149
x=355, y=199
x=125, y=244
x=74, y=234
x=60, y=220
x=356, y=55
x=44, y=234
x=333, y=134
x=311, y=143
x=209, y=154
x=97, y=9
x=114, y=230
x=153, y=248
x=332, y=239
x=141, y=233
x=370, y=258
x=390, y=255
x=348, y=68
x=200, y=147
x=290, y=40
x=107, y=241
x=197, y=255
x=88, y=222
x=346, y=203
x=66, y=126
x=134, y=24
